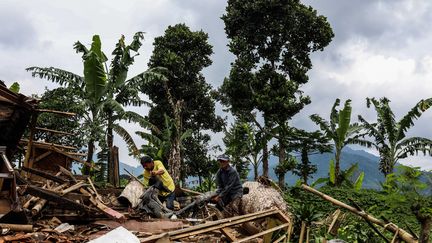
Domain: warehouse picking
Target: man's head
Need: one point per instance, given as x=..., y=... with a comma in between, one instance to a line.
x=223, y=161
x=147, y=162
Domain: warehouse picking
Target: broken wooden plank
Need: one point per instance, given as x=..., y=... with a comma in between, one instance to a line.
x=38, y=206
x=46, y=145
x=57, y=112
x=100, y=205
x=18, y=227
x=73, y=188
x=247, y=239
x=404, y=235
x=54, y=131
x=47, y=153
x=75, y=158
x=45, y=175
x=53, y=197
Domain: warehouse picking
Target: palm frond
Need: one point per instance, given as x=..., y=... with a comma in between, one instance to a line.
x=334, y=115
x=413, y=146
x=137, y=118
x=323, y=124
x=344, y=122
x=127, y=138
x=408, y=120
x=57, y=75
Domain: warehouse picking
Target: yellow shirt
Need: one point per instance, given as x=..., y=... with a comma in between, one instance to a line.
x=165, y=178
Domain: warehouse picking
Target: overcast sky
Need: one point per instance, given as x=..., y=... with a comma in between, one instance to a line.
x=381, y=48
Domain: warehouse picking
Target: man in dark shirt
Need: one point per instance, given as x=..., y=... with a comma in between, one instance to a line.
x=229, y=187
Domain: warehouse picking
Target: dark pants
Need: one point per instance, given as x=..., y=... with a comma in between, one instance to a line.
x=169, y=200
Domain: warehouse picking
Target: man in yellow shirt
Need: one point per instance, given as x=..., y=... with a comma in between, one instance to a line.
x=155, y=169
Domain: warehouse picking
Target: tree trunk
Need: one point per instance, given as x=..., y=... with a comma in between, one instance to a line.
x=111, y=174
x=337, y=166
x=282, y=158
x=90, y=152
x=174, y=160
x=305, y=162
x=265, y=158
x=426, y=223
x=255, y=169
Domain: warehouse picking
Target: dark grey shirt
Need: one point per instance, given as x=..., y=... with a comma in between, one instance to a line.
x=229, y=185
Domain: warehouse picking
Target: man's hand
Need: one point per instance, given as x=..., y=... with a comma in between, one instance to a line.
x=153, y=173
x=216, y=199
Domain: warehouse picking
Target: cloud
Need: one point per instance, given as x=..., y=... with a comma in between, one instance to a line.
x=380, y=48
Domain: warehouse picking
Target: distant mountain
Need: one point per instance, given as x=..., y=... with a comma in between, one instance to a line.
x=136, y=171
x=367, y=162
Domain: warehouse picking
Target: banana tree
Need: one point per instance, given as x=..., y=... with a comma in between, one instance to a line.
x=350, y=178
x=104, y=91
x=341, y=131
x=91, y=87
x=390, y=135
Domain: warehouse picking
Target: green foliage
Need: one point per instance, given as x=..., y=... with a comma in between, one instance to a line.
x=207, y=185
x=349, y=178
x=15, y=87
x=243, y=144
x=159, y=141
x=198, y=161
x=55, y=100
x=390, y=135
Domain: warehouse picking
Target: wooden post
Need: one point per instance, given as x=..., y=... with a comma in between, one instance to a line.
x=115, y=161
x=30, y=141
x=302, y=231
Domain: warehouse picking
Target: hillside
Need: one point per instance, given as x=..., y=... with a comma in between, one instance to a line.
x=367, y=162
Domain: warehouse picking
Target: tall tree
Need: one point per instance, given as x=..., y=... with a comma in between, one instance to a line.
x=340, y=129
x=182, y=93
x=390, y=135
x=272, y=41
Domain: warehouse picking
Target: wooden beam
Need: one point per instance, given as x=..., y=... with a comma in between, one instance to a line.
x=45, y=175
x=30, y=140
x=18, y=227
x=388, y=226
x=54, y=131
x=42, y=156
x=75, y=158
x=247, y=239
x=192, y=192
x=63, y=113
x=47, y=145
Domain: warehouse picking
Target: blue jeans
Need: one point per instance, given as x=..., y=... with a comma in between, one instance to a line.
x=169, y=200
